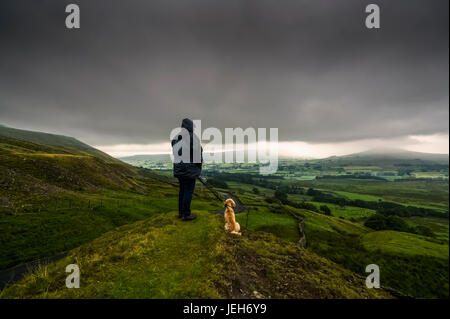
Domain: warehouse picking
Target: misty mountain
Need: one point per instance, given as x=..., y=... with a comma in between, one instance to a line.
x=392, y=153
x=391, y=158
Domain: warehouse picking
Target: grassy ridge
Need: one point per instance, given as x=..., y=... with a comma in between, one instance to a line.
x=163, y=257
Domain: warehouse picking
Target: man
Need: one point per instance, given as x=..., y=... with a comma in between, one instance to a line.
x=187, y=171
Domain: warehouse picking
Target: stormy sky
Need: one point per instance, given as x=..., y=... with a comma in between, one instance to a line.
x=310, y=68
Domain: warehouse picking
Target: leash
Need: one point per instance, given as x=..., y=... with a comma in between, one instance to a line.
x=216, y=194
x=213, y=191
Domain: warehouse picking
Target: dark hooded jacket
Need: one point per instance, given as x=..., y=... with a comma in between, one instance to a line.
x=191, y=169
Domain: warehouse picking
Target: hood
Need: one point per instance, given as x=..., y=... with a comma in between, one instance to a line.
x=188, y=125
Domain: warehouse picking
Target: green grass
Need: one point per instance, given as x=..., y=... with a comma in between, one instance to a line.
x=398, y=243
x=242, y=188
x=48, y=227
x=261, y=219
x=421, y=271
x=348, y=212
x=353, y=196
x=438, y=226
x=299, y=197
x=163, y=257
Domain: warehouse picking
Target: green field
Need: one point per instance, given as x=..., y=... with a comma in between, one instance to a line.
x=348, y=212
x=397, y=243
x=359, y=196
x=431, y=194
x=439, y=226
x=262, y=219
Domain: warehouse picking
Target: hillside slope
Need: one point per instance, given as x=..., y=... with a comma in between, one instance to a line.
x=402, y=257
x=163, y=257
x=57, y=193
x=35, y=165
x=60, y=143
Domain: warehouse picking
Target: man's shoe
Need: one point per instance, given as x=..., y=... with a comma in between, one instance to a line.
x=189, y=218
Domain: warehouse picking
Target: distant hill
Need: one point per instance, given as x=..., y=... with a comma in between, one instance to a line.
x=402, y=154
x=383, y=156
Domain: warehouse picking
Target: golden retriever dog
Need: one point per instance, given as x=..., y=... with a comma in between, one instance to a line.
x=230, y=221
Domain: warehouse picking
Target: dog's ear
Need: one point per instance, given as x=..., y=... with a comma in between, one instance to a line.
x=233, y=203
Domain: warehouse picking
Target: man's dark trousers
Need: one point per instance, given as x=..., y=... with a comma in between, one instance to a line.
x=187, y=186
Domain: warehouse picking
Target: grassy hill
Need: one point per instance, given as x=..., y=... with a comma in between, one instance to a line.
x=46, y=163
x=53, y=143
x=163, y=257
x=57, y=193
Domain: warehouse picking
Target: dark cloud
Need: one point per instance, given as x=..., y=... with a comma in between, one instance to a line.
x=310, y=68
